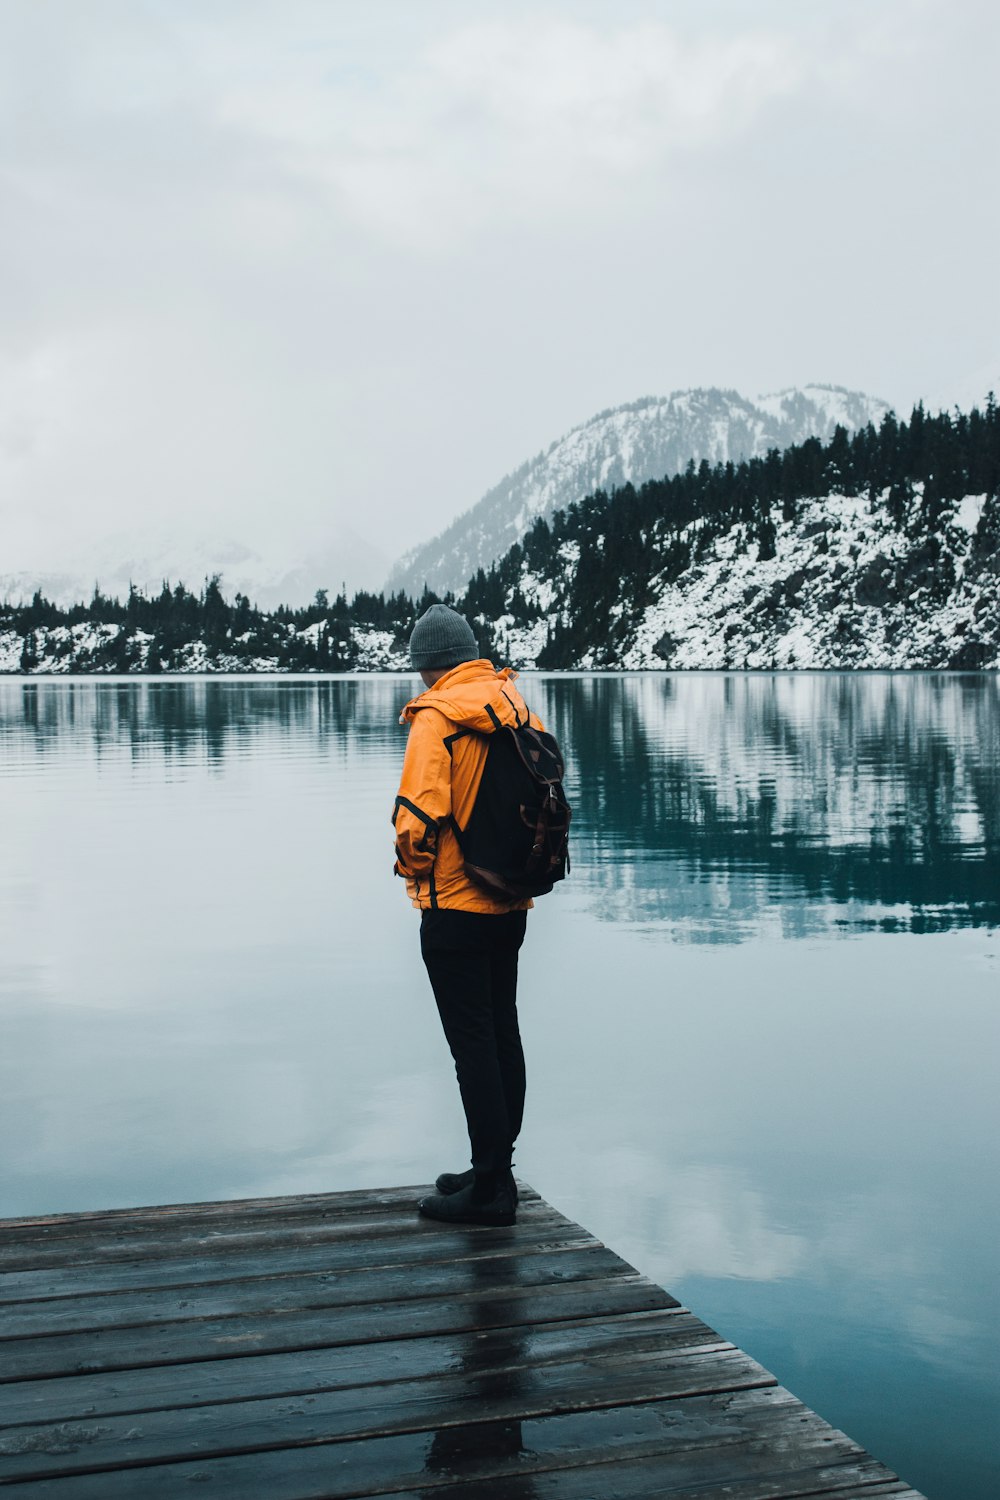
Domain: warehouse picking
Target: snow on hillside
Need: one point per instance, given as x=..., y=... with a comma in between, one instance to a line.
x=845, y=588
x=61, y=650
x=645, y=439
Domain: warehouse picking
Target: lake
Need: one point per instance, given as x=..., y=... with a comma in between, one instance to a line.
x=761, y=1016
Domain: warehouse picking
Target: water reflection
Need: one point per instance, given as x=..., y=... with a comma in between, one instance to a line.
x=718, y=804
x=197, y=719
x=459, y=1452
x=713, y=806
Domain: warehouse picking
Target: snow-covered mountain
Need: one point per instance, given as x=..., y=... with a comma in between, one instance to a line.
x=879, y=551
x=844, y=588
x=645, y=439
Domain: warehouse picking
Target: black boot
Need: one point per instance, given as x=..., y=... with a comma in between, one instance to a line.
x=454, y=1182
x=463, y=1207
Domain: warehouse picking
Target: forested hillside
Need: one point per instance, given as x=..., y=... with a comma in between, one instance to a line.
x=180, y=631
x=873, y=550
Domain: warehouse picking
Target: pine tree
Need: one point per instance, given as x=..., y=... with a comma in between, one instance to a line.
x=215, y=615
x=766, y=538
x=29, y=652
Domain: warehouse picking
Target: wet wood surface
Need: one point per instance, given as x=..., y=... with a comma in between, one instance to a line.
x=339, y=1345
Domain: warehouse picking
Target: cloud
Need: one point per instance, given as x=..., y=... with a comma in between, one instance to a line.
x=617, y=96
x=511, y=116
x=698, y=1219
x=269, y=265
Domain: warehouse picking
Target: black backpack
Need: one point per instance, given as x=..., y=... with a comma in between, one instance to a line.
x=515, y=843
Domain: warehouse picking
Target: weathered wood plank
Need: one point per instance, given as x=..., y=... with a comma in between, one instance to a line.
x=123, y=1349
x=647, y=1478
x=476, y=1354
x=703, y=1441
x=319, y=1290
x=338, y=1254
x=517, y=1393
x=363, y=1200
x=651, y=1479
x=337, y=1345
x=192, y=1240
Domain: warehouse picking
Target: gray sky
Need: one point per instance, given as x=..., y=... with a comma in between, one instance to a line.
x=267, y=269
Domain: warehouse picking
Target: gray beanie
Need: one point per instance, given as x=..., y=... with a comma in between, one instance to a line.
x=441, y=638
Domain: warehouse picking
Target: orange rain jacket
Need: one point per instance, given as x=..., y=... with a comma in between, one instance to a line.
x=442, y=769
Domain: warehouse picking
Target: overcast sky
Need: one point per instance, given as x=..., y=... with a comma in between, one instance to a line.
x=267, y=269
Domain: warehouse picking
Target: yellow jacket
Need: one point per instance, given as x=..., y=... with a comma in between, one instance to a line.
x=442, y=769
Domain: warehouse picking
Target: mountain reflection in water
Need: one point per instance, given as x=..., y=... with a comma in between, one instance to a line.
x=711, y=805
x=715, y=804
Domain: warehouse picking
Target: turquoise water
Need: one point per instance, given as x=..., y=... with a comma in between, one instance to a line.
x=760, y=1017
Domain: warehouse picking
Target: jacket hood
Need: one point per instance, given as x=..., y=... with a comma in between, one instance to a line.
x=475, y=695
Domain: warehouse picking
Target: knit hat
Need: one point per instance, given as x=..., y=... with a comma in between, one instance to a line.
x=441, y=638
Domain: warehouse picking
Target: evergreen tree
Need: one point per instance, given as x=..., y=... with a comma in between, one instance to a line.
x=29, y=652
x=766, y=538
x=215, y=615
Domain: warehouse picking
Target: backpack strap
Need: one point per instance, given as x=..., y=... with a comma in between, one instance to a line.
x=517, y=716
x=532, y=748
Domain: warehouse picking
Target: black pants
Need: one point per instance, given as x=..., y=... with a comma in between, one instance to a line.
x=471, y=959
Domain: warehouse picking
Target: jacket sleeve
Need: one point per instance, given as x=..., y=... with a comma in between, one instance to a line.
x=423, y=803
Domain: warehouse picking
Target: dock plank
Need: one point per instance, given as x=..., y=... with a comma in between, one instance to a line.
x=369, y=1201
x=318, y=1289
x=336, y=1345
x=184, y=1239
x=81, y=1278
x=209, y=1382
x=706, y=1440
x=221, y=1338
x=335, y=1416
x=649, y=1479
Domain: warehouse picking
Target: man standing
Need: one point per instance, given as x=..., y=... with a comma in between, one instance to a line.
x=469, y=939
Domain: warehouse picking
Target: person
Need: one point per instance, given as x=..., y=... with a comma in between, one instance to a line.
x=469, y=940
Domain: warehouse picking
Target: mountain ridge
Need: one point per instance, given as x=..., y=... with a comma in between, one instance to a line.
x=873, y=551
x=638, y=440
x=879, y=551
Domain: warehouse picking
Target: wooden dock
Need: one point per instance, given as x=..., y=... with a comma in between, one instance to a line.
x=308, y=1348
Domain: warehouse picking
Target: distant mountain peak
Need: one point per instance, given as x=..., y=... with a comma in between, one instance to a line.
x=647, y=438
x=149, y=556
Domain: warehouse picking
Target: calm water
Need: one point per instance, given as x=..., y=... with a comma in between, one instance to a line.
x=761, y=1017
